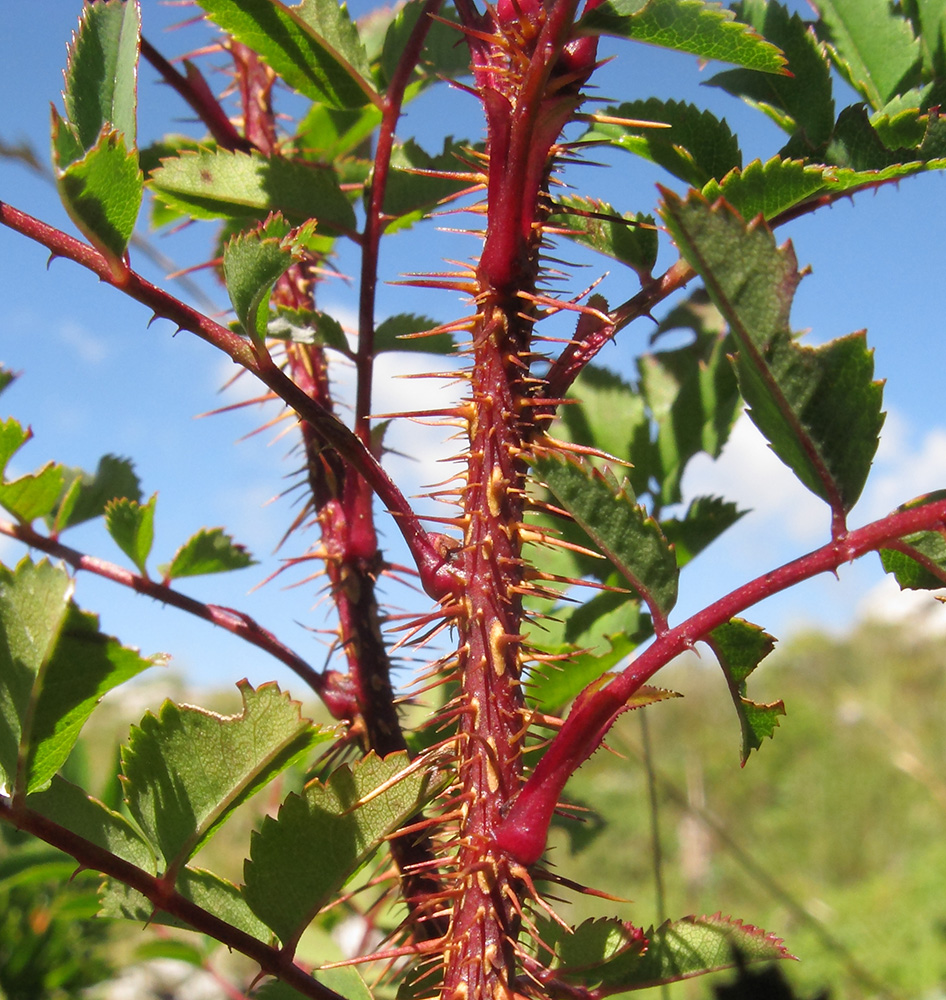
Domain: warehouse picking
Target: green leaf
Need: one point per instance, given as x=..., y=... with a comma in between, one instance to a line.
x=87, y=496
x=12, y=437
x=705, y=520
x=301, y=858
x=627, y=237
x=188, y=769
x=697, y=146
x=410, y=195
x=131, y=525
x=314, y=46
x=70, y=807
x=252, y=264
x=441, y=57
x=101, y=72
x=55, y=666
x=859, y=148
x=819, y=407
x=740, y=647
x=399, y=333
x=222, y=184
x=620, y=529
x=694, y=400
x=615, y=956
x=706, y=30
x=33, y=495
x=873, y=46
x=212, y=893
x=918, y=561
x=555, y=687
x=308, y=326
x=102, y=192
x=327, y=134
x=345, y=980
x=210, y=550
x=929, y=20
x=767, y=189
x=800, y=101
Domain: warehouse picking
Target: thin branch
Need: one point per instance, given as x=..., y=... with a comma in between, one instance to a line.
x=89, y=855
x=237, y=622
x=436, y=575
x=524, y=830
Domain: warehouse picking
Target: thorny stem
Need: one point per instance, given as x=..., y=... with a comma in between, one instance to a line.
x=524, y=831
x=436, y=576
x=164, y=897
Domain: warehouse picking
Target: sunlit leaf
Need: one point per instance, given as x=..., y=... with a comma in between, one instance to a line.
x=302, y=857
x=187, y=769
x=705, y=29
x=131, y=525
x=740, y=647
x=819, y=407
x=800, y=101
x=223, y=184
x=697, y=146
x=35, y=494
x=314, y=46
x=307, y=326
x=873, y=46
x=101, y=72
x=768, y=188
x=210, y=550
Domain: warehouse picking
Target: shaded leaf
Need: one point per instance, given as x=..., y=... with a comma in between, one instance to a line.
x=308, y=326
x=859, y=149
x=627, y=237
x=697, y=146
x=186, y=770
x=819, y=407
x=620, y=529
x=704, y=29
x=918, y=561
x=396, y=333
x=554, y=686
x=87, y=496
x=302, y=857
x=131, y=525
x=223, y=184
x=210, y=550
x=705, y=520
x=410, y=195
x=345, y=980
x=740, y=647
x=70, y=807
x=205, y=889
x=314, y=46
x=443, y=57
x=873, y=46
x=55, y=666
x=101, y=73
x=614, y=956
x=326, y=134
x=800, y=101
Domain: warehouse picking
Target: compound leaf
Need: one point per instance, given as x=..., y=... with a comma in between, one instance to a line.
x=302, y=857
x=819, y=407
x=740, y=647
x=212, y=184
x=314, y=46
x=706, y=30
x=209, y=550
x=186, y=770
x=131, y=525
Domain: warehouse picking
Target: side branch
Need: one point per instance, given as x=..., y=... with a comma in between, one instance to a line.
x=523, y=833
x=237, y=622
x=89, y=855
x=435, y=575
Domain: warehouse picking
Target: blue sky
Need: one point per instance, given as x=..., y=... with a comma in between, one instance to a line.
x=96, y=379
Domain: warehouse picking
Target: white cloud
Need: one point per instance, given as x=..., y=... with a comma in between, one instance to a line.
x=88, y=347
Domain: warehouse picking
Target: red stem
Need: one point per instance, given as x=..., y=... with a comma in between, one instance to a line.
x=523, y=833
x=436, y=576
